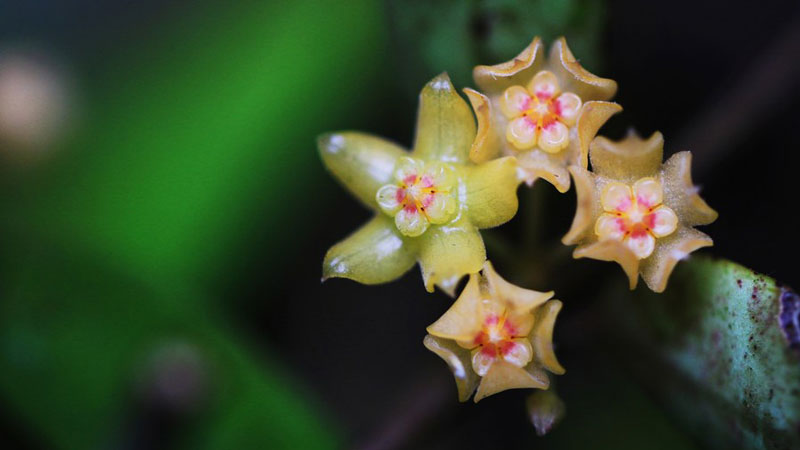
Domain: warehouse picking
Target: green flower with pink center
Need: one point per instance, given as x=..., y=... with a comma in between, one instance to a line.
x=429, y=203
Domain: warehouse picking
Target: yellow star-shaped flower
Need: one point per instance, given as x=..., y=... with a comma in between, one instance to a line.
x=429, y=203
x=543, y=110
x=497, y=336
x=636, y=211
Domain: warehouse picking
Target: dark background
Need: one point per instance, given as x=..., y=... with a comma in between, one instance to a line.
x=718, y=78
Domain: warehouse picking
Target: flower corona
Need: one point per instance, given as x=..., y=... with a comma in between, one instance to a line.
x=421, y=195
x=542, y=109
x=635, y=215
x=539, y=114
x=637, y=211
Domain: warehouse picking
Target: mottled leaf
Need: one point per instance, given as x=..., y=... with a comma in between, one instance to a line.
x=720, y=349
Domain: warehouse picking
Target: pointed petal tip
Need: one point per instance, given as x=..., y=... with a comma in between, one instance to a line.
x=496, y=78
x=330, y=142
x=441, y=82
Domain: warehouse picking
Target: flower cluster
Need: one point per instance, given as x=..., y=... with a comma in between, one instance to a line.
x=536, y=116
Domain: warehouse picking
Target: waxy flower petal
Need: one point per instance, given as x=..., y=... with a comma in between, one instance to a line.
x=505, y=332
x=376, y=253
x=543, y=110
x=458, y=358
x=430, y=202
x=361, y=162
x=636, y=211
x=450, y=249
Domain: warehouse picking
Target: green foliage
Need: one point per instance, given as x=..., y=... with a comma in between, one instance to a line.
x=191, y=138
x=112, y=250
x=713, y=348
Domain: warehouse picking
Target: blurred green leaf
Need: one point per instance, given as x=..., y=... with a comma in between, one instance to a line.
x=199, y=137
x=713, y=349
x=193, y=139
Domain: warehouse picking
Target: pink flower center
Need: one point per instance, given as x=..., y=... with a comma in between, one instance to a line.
x=416, y=193
x=495, y=337
x=541, y=111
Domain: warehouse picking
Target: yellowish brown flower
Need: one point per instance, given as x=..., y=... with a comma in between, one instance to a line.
x=497, y=336
x=543, y=110
x=429, y=203
x=636, y=211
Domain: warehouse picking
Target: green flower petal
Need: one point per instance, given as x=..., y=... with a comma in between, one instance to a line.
x=445, y=126
x=448, y=251
x=459, y=361
x=376, y=253
x=492, y=192
x=361, y=162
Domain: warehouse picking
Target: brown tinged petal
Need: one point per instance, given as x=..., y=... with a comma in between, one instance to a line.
x=593, y=116
x=587, y=208
x=487, y=142
x=577, y=79
x=497, y=78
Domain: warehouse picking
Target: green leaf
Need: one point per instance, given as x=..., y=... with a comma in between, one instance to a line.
x=713, y=348
x=198, y=138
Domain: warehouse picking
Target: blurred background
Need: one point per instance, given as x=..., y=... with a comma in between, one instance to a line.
x=164, y=213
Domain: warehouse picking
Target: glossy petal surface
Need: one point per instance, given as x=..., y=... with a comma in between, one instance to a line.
x=454, y=249
x=360, y=162
x=491, y=192
x=376, y=253
x=445, y=125
x=458, y=359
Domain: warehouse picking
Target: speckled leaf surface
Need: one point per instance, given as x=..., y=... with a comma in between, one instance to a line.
x=720, y=349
